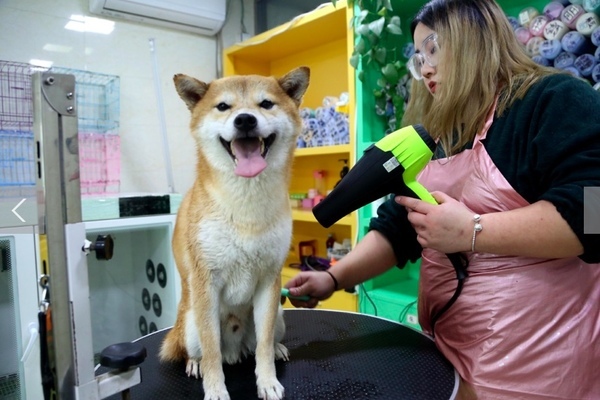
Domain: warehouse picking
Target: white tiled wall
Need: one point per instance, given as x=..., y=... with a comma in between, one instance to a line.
x=26, y=26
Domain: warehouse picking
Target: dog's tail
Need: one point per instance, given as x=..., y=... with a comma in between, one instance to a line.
x=172, y=348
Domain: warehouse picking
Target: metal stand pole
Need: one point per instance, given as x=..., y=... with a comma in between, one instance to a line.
x=55, y=119
x=59, y=211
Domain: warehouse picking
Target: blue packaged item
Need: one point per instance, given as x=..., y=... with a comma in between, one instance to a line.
x=514, y=22
x=574, y=42
x=564, y=60
x=542, y=60
x=573, y=71
x=595, y=36
x=585, y=63
x=549, y=49
x=596, y=73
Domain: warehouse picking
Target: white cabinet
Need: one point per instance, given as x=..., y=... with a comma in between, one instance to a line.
x=20, y=376
x=137, y=291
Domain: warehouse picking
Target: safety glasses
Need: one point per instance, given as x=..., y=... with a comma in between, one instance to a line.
x=428, y=53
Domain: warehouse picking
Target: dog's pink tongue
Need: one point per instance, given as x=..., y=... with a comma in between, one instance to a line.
x=249, y=160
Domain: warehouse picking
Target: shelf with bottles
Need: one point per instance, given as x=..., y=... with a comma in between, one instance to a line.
x=323, y=41
x=327, y=125
x=313, y=178
x=311, y=241
x=309, y=232
x=320, y=40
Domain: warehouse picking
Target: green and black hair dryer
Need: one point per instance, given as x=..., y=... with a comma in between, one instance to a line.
x=389, y=166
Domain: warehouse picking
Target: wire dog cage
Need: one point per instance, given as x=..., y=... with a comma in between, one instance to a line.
x=98, y=142
x=98, y=102
x=17, y=177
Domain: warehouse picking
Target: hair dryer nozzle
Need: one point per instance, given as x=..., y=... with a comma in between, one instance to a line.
x=388, y=166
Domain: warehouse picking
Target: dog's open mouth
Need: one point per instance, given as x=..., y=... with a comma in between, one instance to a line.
x=248, y=154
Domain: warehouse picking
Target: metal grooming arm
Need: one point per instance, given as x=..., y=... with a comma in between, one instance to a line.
x=59, y=210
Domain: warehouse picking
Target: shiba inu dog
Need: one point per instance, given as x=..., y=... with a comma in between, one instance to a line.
x=234, y=226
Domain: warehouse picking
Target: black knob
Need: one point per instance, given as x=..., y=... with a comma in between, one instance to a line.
x=103, y=247
x=123, y=355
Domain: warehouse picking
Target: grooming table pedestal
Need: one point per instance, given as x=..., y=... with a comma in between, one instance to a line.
x=333, y=355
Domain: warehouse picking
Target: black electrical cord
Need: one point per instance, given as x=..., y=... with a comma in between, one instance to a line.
x=460, y=263
x=366, y=294
x=404, y=311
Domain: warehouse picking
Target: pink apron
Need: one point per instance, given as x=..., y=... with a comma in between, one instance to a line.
x=523, y=328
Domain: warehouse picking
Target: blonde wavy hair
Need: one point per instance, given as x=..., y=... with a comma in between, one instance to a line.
x=480, y=59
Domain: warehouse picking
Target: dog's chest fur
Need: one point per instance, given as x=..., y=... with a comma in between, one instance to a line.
x=240, y=249
x=238, y=263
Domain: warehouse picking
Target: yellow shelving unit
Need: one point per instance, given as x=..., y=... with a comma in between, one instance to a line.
x=323, y=41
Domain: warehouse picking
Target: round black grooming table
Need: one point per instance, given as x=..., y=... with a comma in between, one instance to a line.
x=333, y=355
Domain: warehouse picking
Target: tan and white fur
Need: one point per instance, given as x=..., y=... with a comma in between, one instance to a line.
x=234, y=227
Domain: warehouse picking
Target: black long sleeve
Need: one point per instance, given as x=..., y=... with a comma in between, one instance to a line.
x=392, y=222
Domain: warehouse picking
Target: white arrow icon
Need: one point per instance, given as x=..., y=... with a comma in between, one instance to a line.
x=14, y=210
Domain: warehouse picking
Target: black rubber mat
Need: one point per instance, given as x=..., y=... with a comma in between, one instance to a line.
x=333, y=355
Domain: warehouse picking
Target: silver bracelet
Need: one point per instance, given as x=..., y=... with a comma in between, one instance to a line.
x=477, y=227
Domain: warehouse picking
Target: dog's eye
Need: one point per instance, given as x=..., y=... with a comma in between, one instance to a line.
x=267, y=104
x=223, y=106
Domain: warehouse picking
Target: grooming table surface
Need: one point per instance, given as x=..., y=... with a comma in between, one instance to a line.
x=333, y=355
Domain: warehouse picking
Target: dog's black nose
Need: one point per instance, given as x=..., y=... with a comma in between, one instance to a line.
x=245, y=122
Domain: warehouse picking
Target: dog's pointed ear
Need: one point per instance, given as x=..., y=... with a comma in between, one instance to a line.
x=295, y=83
x=191, y=90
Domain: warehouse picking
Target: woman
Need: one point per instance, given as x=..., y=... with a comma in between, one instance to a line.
x=518, y=143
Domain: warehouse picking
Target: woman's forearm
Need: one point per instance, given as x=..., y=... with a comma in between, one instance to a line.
x=537, y=230
x=372, y=256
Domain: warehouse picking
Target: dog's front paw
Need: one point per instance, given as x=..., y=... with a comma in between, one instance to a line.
x=192, y=368
x=281, y=352
x=269, y=389
x=219, y=394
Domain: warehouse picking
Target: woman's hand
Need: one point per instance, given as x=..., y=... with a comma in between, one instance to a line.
x=446, y=227
x=316, y=284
